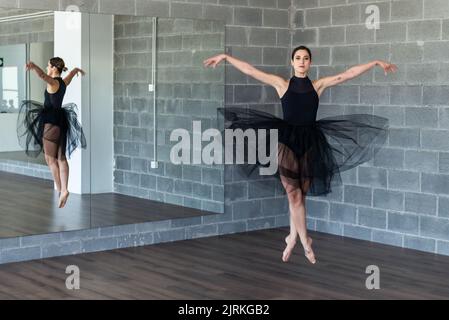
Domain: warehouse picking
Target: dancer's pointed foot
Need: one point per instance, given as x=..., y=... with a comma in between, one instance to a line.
x=289, y=248
x=308, y=252
x=63, y=198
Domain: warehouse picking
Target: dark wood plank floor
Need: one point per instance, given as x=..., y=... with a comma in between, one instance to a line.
x=238, y=266
x=29, y=205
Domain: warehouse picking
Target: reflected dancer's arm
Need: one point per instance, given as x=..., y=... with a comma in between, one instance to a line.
x=71, y=74
x=41, y=74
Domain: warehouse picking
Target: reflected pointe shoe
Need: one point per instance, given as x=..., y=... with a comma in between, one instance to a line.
x=63, y=199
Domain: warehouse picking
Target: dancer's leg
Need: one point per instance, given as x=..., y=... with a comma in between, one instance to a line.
x=53, y=165
x=64, y=174
x=296, y=199
x=298, y=226
x=290, y=240
x=50, y=138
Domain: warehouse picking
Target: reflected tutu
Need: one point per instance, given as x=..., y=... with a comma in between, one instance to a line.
x=312, y=154
x=53, y=130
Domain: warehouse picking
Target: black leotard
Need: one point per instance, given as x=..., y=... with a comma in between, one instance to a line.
x=300, y=101
x=52, y=102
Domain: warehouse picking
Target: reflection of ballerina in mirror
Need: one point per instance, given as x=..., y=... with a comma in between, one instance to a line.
x=52, y=127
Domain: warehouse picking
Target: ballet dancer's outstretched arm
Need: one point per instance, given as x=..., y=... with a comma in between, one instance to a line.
x=71, y=74
x=41, y=74
x=353, y=72
x=271, y=79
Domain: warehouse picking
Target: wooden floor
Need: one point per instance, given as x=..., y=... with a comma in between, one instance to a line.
x=29, y=205
x=238, y=266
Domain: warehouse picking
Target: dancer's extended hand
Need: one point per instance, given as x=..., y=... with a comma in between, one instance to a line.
x=30, y=65
x=214, y=61
x=78, y=70
x=388, y=67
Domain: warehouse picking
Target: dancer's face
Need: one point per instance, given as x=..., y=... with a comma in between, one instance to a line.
x=301, y=62
x=51, y=70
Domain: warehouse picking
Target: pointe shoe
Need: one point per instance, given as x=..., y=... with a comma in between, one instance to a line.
x=308, y=252
x=63, y=199
x=288, y=250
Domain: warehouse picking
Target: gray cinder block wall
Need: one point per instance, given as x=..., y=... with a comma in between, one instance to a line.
x=16, y=32
x=185, y=93
x=26, y=168
x=399, y=198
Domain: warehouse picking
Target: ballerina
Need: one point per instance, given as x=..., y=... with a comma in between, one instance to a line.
x=52, y=127
x=311, y=153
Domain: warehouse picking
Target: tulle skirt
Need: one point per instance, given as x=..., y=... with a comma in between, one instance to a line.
x=310, y=156
x=54, y=131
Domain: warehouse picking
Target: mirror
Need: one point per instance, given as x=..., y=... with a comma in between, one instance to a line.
x=28, y=197
x=144, y=79
x=187, y=102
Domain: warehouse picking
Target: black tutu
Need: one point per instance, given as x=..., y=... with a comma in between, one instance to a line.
x=54, y=131
x=312, y=155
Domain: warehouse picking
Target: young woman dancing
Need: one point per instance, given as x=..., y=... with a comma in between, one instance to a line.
x=52, y=127
x=311, y=153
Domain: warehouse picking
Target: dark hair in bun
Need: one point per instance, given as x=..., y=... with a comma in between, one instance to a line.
x=59, y=64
